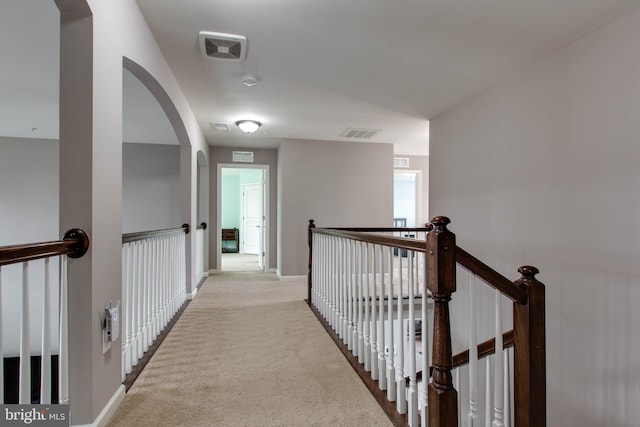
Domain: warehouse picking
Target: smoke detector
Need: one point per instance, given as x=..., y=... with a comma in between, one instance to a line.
x=226, y=47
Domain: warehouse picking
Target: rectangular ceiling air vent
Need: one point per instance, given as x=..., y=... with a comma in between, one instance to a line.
x=400, y=162
x=220, y=127
x=360, y=133
x=227, y=47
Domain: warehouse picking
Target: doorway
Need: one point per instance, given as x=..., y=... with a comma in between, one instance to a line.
x=242, y=217
x=407, y=197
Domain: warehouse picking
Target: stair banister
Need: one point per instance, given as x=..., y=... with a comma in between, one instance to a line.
x=441, y=281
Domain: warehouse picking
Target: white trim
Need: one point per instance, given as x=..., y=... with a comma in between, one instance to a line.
x=109, y=410
x=213, y=271
x=287, y=278
x=193, y=294
x=273, y=270
x=267, y=221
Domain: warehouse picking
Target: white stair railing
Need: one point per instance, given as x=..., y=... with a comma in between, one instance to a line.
x=153, y=288
x=29, y=273
x=370, y=294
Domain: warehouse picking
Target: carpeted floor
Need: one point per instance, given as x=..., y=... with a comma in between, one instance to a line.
x=249, y=352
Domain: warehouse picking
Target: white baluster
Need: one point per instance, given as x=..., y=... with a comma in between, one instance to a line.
x=343, y=291
x=360, y=302
x=401, y=395
x=140, y=304
x=25, y=353
x=134, y=302
x=390, y=348
x=1, y=349
x=456, y=385
x=146, y=283
x=354, y=298
x=45, y=349
x=382, y=377
x=126, y=307
x=487, y=393
x=366, y=327
x=341, y=288
x=507, y=390
x=473, y=356
x=335, y=295
x=151, y=290
x=498, y=397
x=426, y=360
x=412, y=393
x=349, y=286
x=63, y=346
x=373, y=330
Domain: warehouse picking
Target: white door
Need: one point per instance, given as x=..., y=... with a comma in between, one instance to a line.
x=252, y=218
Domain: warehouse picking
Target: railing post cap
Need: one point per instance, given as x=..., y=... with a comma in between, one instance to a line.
x=441, y=221
x=528, y=271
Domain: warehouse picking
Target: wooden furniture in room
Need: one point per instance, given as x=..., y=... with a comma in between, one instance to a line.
x=231, y=234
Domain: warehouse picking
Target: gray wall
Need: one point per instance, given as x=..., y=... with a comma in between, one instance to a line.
x=223, y=155
x=29, y=204
x=150, y=187
x=338, y=184
x=28, y=190
x=543, y=170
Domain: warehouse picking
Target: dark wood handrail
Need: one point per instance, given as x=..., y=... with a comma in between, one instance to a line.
x=490, y=276
x=379, y=239
x=202, y=226
x=74, y=244
x=425, y=229
x=141, y=235
x=485, y=348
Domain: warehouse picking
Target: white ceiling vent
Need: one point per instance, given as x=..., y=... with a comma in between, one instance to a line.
x=227, y=47
x=400, y=162
x=360, y=133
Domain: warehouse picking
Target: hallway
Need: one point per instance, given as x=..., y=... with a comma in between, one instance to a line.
x=248, y=351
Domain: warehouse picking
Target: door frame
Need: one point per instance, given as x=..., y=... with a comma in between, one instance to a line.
x=265, y=195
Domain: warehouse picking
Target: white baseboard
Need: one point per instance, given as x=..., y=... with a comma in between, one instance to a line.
x=108, y=411
x=193, y=294
x=285, y=278
x=273, y=270
x=213, y=271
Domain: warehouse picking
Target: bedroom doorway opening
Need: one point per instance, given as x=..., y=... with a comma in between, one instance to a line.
x=242, y=220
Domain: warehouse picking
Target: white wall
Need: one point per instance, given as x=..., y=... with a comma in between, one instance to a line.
x=150, y=187
x=28, y=213
x=543, y=170
x=337, y=184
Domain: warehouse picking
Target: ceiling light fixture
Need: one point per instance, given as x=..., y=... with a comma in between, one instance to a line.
x=248, y=126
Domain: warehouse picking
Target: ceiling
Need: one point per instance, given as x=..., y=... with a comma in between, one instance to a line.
x=322, y=67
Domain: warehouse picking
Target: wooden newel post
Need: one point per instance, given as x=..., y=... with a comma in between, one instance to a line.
x=441, y=281
x=310, y=242
x=529, y=358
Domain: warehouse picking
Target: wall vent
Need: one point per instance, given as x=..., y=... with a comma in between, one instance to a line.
x=360, y=133
x=226, y=47
x=400, y=162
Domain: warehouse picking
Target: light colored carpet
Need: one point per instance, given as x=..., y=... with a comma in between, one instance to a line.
x=239, y=262
x=249, y=352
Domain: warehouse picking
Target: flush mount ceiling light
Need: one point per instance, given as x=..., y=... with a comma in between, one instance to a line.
x=248, y=126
